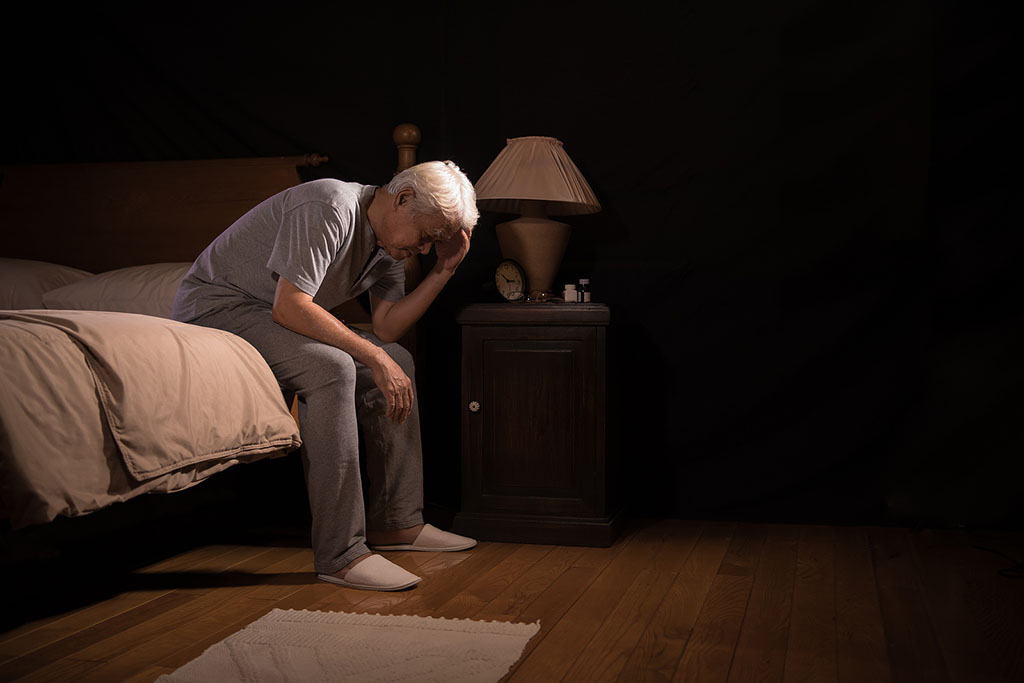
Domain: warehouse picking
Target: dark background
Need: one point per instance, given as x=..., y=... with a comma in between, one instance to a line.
x=807, y=239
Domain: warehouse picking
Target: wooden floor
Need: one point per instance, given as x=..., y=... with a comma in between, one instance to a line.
x=671, y=600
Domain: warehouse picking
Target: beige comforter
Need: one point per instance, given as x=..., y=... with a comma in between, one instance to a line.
x=97, y=407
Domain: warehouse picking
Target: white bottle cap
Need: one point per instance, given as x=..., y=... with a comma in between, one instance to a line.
x=584, y=281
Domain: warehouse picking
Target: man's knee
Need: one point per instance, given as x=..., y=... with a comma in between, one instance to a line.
x=401, y=355
x=328, y=366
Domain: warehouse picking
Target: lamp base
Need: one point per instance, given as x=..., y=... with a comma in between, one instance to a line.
x=537, y=244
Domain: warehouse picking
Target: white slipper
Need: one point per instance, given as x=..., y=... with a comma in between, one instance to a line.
x=374, y=574
x=432, y=540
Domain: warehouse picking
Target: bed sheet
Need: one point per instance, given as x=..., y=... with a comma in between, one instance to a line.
x=99, y=407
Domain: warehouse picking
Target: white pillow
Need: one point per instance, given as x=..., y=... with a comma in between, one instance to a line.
x=148, y=289
x=23, y=282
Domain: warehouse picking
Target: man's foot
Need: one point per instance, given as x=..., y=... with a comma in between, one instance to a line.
x=372, y=572
x=344, y=570
x=393, y=536
x=427, y=538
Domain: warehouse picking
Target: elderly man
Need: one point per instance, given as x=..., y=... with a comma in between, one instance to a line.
x=273, y=276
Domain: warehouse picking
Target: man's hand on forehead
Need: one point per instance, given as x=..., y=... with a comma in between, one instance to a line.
x=451, y=251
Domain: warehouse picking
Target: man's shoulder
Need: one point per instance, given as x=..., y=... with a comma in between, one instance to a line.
x=338, y=193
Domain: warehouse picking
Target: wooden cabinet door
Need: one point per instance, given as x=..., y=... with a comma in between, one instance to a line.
x=535, y=443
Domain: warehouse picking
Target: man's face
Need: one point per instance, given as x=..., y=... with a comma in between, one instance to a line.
x=409, y=234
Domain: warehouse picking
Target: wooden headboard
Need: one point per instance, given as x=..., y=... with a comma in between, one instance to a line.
x=102, y=216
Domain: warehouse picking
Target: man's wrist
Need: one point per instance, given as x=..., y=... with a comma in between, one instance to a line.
x=377, y=356
x=442, y=271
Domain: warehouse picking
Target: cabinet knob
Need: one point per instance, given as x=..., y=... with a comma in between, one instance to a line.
x=474, y=407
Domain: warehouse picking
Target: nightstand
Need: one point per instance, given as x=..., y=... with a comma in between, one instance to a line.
x=534, y=467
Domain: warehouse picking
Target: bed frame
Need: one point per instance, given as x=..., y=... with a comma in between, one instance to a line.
x=103, y=216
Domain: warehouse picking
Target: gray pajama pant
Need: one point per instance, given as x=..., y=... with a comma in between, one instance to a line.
x=336, y=396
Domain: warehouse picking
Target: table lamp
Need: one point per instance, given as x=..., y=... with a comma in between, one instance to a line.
x=534, y=177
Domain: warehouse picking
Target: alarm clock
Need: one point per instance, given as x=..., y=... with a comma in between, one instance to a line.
x=510, y=278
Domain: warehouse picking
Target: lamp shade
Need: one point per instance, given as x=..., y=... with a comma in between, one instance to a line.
x=535, y=169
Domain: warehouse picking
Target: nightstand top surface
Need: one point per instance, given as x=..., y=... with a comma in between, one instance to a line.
x=534, y=314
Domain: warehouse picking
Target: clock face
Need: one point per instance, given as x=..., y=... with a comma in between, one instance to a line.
x=511, y=280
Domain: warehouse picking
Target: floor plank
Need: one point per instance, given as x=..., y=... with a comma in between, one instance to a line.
x=811, y=650
x=123, y=651
x=209, y=610
x=70, y=646
x=760, y=655
x=551, y=605
x=606, y=654
x=488, y=586
x=975, y=611
x=914, y=651
x=661, y=646
x=41, y=632
x=861, y=653
x=557, y=652
x=518, y=595
x=710, y=647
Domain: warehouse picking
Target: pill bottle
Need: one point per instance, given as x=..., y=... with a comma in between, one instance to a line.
x=583, y=293
x=569, y=294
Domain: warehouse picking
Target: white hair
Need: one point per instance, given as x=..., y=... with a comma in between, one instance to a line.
x=439, y=187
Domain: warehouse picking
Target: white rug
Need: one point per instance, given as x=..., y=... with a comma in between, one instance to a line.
x=307, y=647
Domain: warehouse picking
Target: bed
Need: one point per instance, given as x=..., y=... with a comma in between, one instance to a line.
x=105, y=397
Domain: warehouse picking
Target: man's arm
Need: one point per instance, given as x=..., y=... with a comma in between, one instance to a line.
x=295, y=310
x=391, y=319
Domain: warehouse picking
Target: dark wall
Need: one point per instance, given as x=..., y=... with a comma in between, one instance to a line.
x=805, y=238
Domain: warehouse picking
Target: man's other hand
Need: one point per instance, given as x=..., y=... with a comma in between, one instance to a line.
x=395, y=385
x=451, y=252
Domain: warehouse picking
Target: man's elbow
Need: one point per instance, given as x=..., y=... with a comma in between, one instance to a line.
x=277, y=314
x=385, y=335
x=385, y=329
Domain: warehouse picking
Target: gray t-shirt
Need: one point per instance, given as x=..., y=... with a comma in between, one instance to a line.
x=316, y=235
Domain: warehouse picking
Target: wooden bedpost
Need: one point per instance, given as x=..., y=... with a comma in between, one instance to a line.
x=407, y=139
